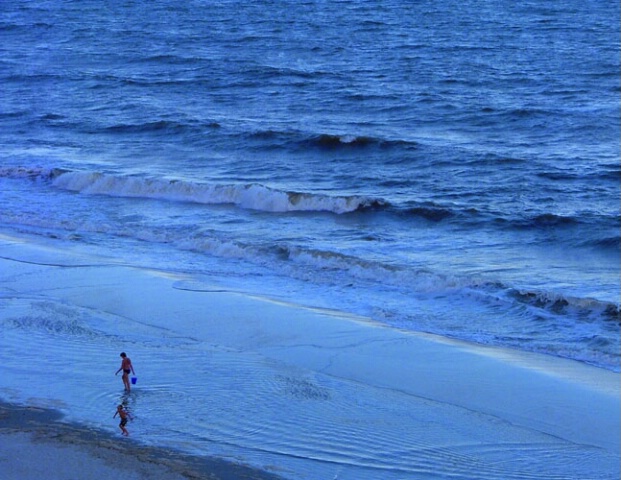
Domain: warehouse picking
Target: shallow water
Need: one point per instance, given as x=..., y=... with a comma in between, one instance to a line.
x=303, y=393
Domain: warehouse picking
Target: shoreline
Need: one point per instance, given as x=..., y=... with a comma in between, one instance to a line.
x=271, y=388
x=70, y=450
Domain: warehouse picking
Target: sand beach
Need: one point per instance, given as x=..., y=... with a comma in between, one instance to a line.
x=238, y=386
x=35, y=445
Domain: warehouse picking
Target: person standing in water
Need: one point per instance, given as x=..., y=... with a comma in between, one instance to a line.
x=127, y=367
x=124, y=415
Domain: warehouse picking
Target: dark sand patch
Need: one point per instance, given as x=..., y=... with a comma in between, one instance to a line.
x=35, y=443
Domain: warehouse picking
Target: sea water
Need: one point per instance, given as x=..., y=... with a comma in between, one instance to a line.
x=440, y=167
x=446, y=167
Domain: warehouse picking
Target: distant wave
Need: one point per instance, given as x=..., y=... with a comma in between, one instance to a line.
x=433, y=213
x=538, y=221
x=327, y=141
x=607, y=243
x=610, y=172
x=549, y=219
x=250, y=196
x=158, y=126
x=467, y=217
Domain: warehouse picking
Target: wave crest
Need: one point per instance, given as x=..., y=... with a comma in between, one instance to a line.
x=563, y=305
x=250, y=196
x=330, y=142
x=32, y=173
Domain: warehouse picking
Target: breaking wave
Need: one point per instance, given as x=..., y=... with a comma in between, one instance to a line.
x=587, y=308
x=422, y=280
x=250, y=196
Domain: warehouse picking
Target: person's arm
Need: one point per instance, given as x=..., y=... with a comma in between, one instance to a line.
x=117, y=372
x=115, y=414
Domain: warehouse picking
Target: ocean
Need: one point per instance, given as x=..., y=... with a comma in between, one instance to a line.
x=447, y=167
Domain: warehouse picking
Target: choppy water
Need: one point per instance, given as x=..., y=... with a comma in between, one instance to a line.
x=448, y=167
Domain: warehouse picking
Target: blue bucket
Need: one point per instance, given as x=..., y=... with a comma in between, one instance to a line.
x=134, y=380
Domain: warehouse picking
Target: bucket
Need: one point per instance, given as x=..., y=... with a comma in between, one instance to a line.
x=134, y=380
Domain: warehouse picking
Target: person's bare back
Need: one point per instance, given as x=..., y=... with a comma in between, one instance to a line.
x=127, y=368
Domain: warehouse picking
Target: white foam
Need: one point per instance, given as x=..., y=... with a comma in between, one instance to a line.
x=250, y=196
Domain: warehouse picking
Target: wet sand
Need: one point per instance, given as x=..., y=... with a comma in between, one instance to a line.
x=35, y=443
x=293, y=391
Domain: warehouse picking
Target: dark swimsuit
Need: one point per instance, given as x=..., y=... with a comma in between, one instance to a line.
x=126, y=370
x=123, y=422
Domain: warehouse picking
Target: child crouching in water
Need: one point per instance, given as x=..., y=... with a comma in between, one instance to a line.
x=124, y=415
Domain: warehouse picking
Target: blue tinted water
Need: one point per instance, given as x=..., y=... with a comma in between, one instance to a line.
x=449, y=167
x=445, y=167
